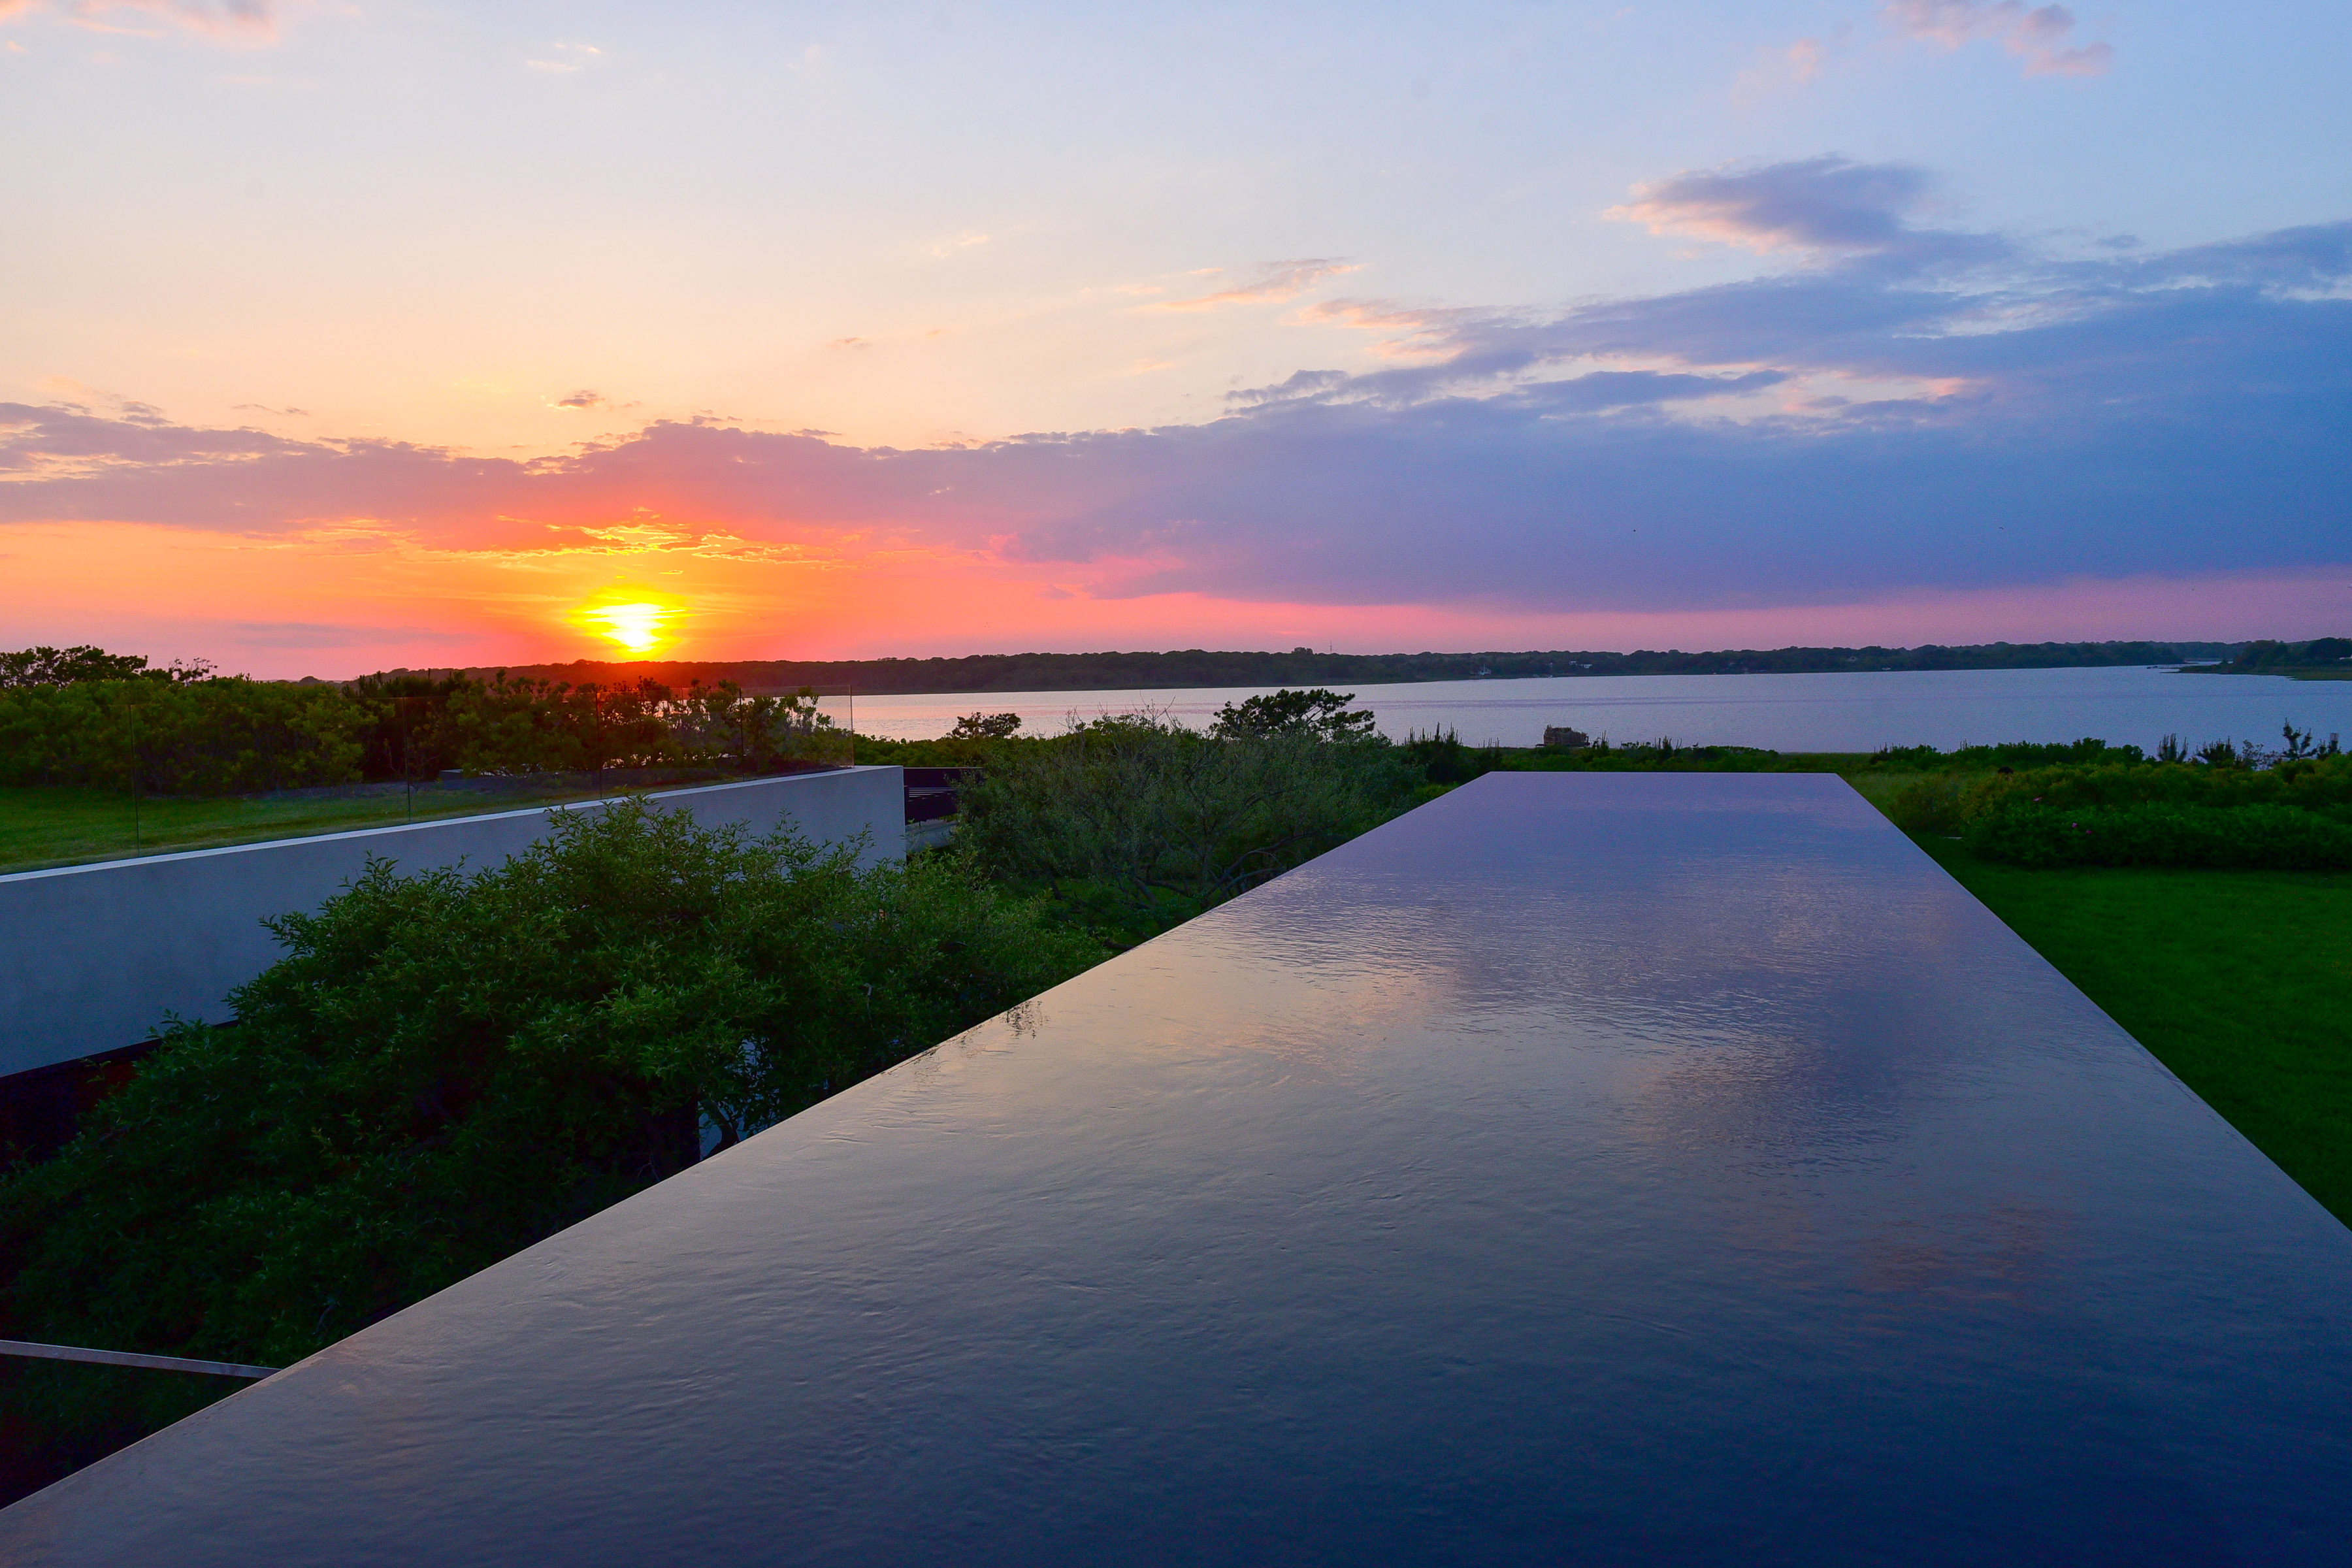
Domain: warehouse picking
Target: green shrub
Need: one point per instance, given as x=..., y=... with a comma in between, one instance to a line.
x=1664, y=755
x=2310, y=785
x=1141, y=813
x=1929, y=805
x=445, y=1068
x=948, y=752
x=2088, y=751
x=2252, y=838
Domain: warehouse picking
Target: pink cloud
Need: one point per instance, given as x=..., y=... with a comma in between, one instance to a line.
x=2038, y=36
x=1827, y=206
x=246, y=21
x=1276, y=281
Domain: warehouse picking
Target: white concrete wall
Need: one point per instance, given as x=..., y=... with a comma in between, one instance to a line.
x=92, y=957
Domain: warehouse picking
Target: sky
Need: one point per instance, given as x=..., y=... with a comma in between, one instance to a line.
x=336, y=337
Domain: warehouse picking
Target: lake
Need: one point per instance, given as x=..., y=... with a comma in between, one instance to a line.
x=1844, y=712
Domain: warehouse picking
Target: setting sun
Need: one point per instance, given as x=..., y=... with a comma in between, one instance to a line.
x=637, y=623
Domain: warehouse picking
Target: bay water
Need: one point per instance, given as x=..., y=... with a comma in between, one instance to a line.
x=1828, y=712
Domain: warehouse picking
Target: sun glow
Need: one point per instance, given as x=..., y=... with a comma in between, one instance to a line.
x=639, y=624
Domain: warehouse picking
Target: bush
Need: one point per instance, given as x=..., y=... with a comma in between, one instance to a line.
x=2253, y=838
x=445, y=1068
x=1931, y=805
x=2309, y=784
x=2088, y=751
x=1440, y=758
x=1153, y=822
x=1662, y=755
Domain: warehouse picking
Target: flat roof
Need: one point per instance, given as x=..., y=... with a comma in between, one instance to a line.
x=1609, y=1168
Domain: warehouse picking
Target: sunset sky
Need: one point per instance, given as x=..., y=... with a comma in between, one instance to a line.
x=340, y=336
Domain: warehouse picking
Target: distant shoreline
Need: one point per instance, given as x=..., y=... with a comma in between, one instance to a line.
x=2320, y=658
x=982, y=673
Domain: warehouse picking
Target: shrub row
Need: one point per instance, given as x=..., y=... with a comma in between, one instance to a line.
x=2307, y=783
x=2247, y=837
x=219, y=736
x=2089, y=752
x=1949, y=802
x=158, y=734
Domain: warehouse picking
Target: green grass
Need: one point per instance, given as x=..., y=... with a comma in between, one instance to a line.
x=42, y=826
x=2240, y=982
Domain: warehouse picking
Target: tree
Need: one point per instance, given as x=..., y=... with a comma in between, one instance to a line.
x=2300, y=746
x=720, y=725
x=986, y=727
x=65, y=667
x=1317, y=711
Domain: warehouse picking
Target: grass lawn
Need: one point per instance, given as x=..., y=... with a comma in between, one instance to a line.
x=45, y=826
x=2241, y=981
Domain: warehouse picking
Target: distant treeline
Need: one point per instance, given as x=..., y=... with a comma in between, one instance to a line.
x=2320, y=656
x=1305, y=666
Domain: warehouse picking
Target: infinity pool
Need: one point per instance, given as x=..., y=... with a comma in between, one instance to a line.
x=1597, y=1168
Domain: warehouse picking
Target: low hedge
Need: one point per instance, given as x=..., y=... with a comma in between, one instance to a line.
x=2249, y=838
x=2308, y=784
x=222, y=735
x=1953, y=803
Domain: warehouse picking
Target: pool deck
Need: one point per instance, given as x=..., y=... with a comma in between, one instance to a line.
x=1593, y=1168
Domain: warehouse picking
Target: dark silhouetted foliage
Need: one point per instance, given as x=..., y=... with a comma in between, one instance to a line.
x=1320, y=713
x=68, y=666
